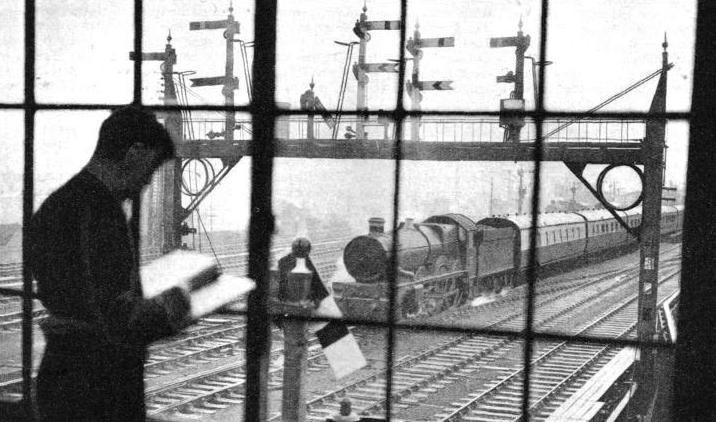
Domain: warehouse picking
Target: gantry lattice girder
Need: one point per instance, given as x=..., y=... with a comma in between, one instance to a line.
x=580, y=152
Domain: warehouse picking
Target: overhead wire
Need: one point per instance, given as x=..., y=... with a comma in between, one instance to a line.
x=342, y=89
x=208, y=238
x=609, y=100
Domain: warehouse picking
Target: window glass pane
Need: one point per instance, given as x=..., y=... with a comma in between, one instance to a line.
x=306, y=51
x=64, y=142
x=12, y=66
x=11, y=188
x=78, y=59
x=344, y=208
x=473, y=25
x=11, y=353
x=201, y=53
x=327, y=388
x=213, y=190
x=205, y=363
x=619, y=44
x=211, y=351
x=466, y=243
x=604, y=266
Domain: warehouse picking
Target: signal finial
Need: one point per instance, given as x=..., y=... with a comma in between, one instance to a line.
x=665, y=43
x=231, y=6
x=169, y=37
x=519, y=25
x=365, y=6
x=312, y=84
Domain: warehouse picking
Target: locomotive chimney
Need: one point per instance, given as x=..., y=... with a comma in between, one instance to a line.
x=376, y=225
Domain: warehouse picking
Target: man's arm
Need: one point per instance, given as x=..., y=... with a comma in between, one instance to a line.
x=109, y=267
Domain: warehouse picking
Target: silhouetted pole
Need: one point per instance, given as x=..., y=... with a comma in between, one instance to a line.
x=649, y=238
x=295, y=363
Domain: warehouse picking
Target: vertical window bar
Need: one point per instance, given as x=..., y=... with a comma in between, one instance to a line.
x=138, y=51
x=532, y=267
x=399, y=115
x=27, y=199
x=694, y=371
x=263, y=113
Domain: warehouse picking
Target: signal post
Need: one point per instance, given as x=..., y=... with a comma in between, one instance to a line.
x=170, y=230
x=294, y=291
x=228, y=81
x=511, y=108
x=360, y=69
x=415, y=85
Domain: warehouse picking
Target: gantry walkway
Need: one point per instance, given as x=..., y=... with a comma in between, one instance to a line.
x=441, y=139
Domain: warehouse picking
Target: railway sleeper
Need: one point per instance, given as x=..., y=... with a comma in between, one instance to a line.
x=197, y=409
x=210, y=404
x=229, y=401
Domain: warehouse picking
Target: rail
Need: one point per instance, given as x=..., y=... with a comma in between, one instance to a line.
x=463, y=409
x=670, y=323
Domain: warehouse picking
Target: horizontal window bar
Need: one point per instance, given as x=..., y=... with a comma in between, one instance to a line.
x=672, y=115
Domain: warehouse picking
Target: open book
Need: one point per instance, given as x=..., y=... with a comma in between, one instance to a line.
x=195, y=273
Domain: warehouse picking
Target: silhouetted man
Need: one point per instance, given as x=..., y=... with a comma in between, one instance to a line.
x=300, y=248
x=83, y=258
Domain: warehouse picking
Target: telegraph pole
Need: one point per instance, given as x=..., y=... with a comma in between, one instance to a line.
x=492, y=185
x=521, y=191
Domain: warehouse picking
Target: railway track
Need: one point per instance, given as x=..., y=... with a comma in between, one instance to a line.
x=558, y=367
x=219, y=388
x=418, y=377
x=209, y=391
x=200, y=342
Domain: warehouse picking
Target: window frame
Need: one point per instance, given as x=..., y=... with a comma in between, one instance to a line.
x=261, y=221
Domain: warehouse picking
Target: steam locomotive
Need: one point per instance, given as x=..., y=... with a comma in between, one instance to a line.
x=449, y=259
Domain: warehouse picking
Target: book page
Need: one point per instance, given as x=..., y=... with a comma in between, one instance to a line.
x=184, y=269
x=225, y=289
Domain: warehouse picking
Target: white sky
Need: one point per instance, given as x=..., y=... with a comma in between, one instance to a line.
x=598, y=48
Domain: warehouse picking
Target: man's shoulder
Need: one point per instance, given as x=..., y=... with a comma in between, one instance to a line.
x=286, y=260
x=66, y=201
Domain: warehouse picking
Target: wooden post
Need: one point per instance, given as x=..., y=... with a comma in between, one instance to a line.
x=295, y=363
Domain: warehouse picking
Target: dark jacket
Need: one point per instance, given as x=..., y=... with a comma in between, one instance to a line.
x=99, y=325
x=285, y=265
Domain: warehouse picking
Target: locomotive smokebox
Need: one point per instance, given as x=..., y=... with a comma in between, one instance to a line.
x=367, y=257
